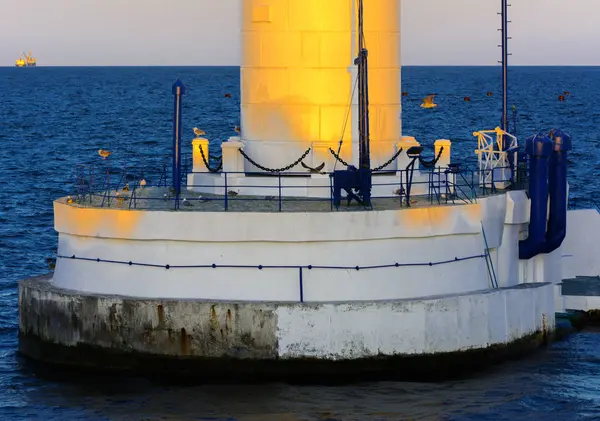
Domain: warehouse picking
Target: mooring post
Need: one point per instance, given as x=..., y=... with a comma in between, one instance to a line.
x=178, y=92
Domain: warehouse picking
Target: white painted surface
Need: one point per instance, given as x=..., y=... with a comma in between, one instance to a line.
x=584, y=303
x=273, y=284
x=276, y=227
x=581, y=248
x=434, y=325
x=341, y=239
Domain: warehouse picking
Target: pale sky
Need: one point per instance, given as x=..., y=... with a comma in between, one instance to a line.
x=206, y=32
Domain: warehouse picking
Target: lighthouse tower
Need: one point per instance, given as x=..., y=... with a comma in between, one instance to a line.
x=298, y=79
x=260, y=278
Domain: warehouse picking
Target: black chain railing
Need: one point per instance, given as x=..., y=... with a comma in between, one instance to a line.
x=431, y=164
x=274, y=170
x=389, y=161
x=213, y=170
x=338, y=158
x=379, y=168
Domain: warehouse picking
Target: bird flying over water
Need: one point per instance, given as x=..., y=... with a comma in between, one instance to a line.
x=198, y=132
x=104, y=153
x=428, y=102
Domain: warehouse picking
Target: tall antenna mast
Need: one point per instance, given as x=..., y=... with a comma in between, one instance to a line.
x=505, y=54
x=363, y=95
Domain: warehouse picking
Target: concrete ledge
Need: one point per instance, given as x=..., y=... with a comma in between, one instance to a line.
x=221, y=341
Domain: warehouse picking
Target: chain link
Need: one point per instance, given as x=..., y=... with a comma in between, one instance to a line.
x=289, y=167
x=341, y=161
x=389, y=161
x=337, y=157
x=431, y=164
x=219, y=168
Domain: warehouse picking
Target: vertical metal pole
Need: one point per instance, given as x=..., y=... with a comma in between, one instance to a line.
x=279, y=179
x=504, y=13
x=301, y=286
x=178, y=92
x=108, y=179
x=363, y=94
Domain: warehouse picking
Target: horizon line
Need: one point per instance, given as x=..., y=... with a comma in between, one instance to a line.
x=237, y=65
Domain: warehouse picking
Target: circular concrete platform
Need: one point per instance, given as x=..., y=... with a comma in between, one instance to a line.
x=419, y=339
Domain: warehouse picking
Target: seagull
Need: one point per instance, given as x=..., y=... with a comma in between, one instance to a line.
x=51, y=262
x=428, y=102
x=165, y=197
x=232, y=193
x=126, y=187
x=237, y=129
x=119, y=198
x=316, y=170
x=186, y=202
x=104, y=153
x=142, y=183
x=198, y=132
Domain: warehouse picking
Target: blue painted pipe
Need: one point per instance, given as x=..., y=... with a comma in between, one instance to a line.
x=557, y=186
x=539, y=149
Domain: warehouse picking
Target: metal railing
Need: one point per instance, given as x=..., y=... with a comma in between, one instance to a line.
x=145, y=184
x=299, y=268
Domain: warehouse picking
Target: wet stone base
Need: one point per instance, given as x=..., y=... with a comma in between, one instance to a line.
x=215, y=342
x=422, y=368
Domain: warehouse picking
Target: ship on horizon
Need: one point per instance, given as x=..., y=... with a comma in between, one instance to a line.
x=27, y=60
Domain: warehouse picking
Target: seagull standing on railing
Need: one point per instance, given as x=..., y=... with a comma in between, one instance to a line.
x=199, y=132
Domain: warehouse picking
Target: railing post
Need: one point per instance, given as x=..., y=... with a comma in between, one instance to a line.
x=225, y=193
x=279, y=180
x=330, y=192
x=178, y=92
x=233, y=161
x=301, y=286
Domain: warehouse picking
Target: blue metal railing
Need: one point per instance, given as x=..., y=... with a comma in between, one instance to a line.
x=144, y=184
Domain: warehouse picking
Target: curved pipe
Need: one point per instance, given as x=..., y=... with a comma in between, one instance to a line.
x=539, y=149
x=557, y=186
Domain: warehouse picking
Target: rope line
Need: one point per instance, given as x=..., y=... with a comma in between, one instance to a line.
x=261, y=267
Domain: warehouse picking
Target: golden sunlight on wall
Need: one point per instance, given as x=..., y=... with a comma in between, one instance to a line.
x=295, y=76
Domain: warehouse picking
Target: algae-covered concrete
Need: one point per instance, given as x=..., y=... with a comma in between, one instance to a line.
x=175, y=328
x=419, y=339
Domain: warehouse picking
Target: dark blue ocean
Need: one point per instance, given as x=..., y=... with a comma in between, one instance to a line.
x=53, y=118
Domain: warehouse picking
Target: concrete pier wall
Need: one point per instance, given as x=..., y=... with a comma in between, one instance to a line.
x=581, y=245
x=71, y=327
